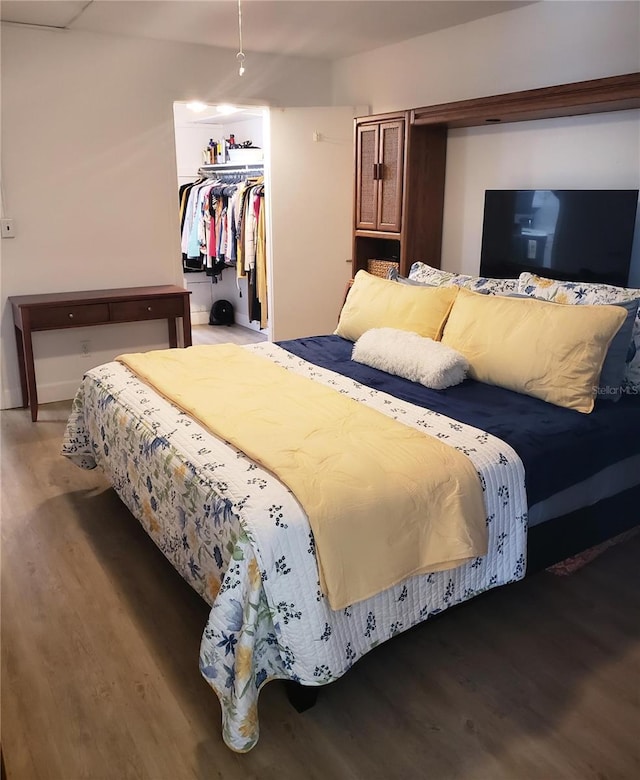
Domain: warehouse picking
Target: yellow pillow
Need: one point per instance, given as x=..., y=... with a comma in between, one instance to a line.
x=550, y=351
x=379, y=303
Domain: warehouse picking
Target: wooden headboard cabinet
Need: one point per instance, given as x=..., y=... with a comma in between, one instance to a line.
x=400, y=161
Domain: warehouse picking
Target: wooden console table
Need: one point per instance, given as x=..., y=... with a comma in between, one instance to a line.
x=56, y=311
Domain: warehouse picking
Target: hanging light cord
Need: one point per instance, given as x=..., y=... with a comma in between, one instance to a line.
x=240, y=55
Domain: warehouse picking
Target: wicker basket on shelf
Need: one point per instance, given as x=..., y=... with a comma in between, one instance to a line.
x=380, y=267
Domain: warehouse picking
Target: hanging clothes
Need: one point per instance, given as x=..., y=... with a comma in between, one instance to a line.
x=188, y=264
x=223, y=225
x=261, y=262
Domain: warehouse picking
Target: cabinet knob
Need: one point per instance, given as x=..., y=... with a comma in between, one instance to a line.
x=148, y=308
x=70, y=316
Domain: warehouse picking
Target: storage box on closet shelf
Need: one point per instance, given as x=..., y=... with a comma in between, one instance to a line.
x=245, y=156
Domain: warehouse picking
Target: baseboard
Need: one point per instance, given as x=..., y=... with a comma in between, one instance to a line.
x=11, y=398
x=243, y=319
x=47, y=393
x=200, y=317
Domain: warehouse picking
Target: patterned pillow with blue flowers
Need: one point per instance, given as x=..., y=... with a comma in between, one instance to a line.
x=426, y=274
x=590, y=293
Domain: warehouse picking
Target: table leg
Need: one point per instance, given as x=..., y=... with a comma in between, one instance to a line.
x=186, y=324
x=23, y=375
x=30, y=370
x=173, y=332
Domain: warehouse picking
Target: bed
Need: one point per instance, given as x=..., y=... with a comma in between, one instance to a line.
x=553, y=482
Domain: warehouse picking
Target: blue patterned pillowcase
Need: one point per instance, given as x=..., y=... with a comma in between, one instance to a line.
x=426, y=274
x=394, y=275
x=615, y=363
x=590, y=293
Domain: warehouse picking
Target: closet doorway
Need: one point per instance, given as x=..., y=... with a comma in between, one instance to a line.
x=223, y=147
x=308, y=210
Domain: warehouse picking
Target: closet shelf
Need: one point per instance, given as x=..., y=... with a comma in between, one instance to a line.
x=211, y=168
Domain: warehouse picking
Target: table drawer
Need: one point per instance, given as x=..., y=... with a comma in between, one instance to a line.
x=149, y=309
x=69, y=316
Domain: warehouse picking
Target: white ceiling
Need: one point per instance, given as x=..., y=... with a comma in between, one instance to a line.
x=313, y=28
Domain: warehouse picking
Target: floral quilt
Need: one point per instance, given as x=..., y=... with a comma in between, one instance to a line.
x=241, y=539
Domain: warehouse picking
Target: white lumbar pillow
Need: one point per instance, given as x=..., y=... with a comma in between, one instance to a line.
x=411, y=356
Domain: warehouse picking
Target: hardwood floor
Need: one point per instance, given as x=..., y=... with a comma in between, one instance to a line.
x=100, y=680
x=219, y=334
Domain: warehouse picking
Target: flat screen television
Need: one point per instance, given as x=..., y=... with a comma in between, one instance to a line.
x=573, y=235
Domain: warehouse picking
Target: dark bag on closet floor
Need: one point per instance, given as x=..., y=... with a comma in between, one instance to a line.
x=221, y=313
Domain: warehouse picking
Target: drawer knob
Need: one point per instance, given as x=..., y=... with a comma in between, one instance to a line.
x=148, y=308
x=70, y=316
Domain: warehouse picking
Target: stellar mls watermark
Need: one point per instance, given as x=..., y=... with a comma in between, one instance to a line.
x=607, y=390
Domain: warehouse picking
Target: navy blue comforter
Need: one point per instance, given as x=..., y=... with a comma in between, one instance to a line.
x=558, y=447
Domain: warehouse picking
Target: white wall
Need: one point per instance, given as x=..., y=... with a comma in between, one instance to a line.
x=538, y=45
x=191, y=141
x=89, y=172
x=597, y=152
x=193, y=136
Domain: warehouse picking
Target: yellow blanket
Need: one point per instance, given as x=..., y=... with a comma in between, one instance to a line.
x=384, y=501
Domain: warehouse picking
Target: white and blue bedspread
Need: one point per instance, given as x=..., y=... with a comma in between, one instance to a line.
x=241, y=539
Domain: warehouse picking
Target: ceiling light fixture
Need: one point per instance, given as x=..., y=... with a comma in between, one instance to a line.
x=196, y=106
x=240, y=55
x=226, y=109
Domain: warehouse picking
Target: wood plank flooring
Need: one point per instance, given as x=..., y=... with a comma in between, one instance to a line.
x=100, y=680
x=221, y=334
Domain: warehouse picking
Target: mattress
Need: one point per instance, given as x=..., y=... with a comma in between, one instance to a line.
x=241, y=539
x=571, y=460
